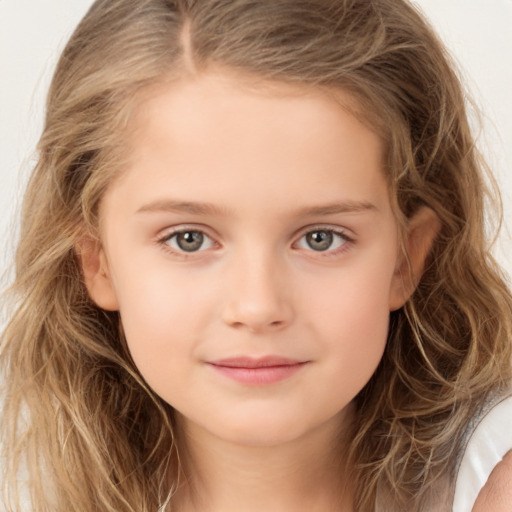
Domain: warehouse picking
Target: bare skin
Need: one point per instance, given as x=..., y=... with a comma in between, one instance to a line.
x=302, y=476
x=496, y=496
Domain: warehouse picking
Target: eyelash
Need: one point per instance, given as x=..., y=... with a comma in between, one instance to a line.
x=165, y=241
x=346, y=241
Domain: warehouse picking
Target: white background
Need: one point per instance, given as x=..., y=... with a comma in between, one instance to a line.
x=32, y=32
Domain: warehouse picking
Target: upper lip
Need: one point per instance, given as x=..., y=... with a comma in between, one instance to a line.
x=256, y=362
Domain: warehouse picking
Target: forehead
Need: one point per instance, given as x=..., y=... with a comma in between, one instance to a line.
x=222, y=133
x=241, y=90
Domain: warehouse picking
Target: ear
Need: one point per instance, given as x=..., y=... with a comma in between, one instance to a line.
x=96, y=274
x=422, y=229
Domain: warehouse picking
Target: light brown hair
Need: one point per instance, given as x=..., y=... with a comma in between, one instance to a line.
x=76, y=412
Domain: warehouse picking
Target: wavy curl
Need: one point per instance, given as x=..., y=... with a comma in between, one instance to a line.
x=77, y=415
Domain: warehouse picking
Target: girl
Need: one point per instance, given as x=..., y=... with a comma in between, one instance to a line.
x=253, y=271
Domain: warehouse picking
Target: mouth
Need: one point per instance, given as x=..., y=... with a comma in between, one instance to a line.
x=257, y=371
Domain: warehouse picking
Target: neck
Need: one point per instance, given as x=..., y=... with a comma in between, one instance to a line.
x=303, y=474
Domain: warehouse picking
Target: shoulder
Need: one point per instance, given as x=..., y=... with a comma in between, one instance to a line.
x=484, y=476
x=496, y=495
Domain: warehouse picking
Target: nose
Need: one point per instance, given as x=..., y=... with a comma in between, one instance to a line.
x=258, y=295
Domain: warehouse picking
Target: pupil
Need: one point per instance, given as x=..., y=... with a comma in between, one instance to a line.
x=319, y=240
x=190, y=241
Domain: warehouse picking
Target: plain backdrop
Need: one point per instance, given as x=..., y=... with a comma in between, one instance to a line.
x=32, y=33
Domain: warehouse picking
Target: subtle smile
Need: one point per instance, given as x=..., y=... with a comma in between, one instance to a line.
x=258, y=372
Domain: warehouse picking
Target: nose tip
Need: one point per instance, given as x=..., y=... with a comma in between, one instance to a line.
x=257, y=317
x=259, y=303
x=256, y=326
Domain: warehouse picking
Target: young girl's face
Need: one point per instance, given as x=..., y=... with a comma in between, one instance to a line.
x=252, y=252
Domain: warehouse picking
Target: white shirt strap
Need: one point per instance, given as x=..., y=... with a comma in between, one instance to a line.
x=487, y=445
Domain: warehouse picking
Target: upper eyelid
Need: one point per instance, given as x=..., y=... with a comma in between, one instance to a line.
x=167, y=233
x=342, y=231
x=163, y=240
x=347, y=243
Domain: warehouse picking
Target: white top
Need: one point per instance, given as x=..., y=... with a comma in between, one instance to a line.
x=487, y=445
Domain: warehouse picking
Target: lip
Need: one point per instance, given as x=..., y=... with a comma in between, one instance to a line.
x=257, y=371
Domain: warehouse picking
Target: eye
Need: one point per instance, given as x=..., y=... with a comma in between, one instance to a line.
x=189, y=241
x=322, y=240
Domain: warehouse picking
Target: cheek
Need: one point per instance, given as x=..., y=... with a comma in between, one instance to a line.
x=157, y=325
x=159, y=313
x=352, y=319
x=353, y=301
x=358, y=333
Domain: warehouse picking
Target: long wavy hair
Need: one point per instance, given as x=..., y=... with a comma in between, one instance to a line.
x=81, y=429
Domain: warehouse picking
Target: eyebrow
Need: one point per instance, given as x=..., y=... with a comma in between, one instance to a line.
x=192, y=207
x=200, y=208
x=341, y=207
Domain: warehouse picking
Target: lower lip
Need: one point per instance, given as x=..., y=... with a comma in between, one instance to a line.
x=259, y=376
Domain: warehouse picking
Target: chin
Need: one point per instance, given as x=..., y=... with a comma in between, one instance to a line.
x=271, y=430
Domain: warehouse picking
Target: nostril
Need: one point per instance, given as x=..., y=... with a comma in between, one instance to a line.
x=257, y=303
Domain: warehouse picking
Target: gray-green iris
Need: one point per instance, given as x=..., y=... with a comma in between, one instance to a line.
x=319, y=240
x=190, y=241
